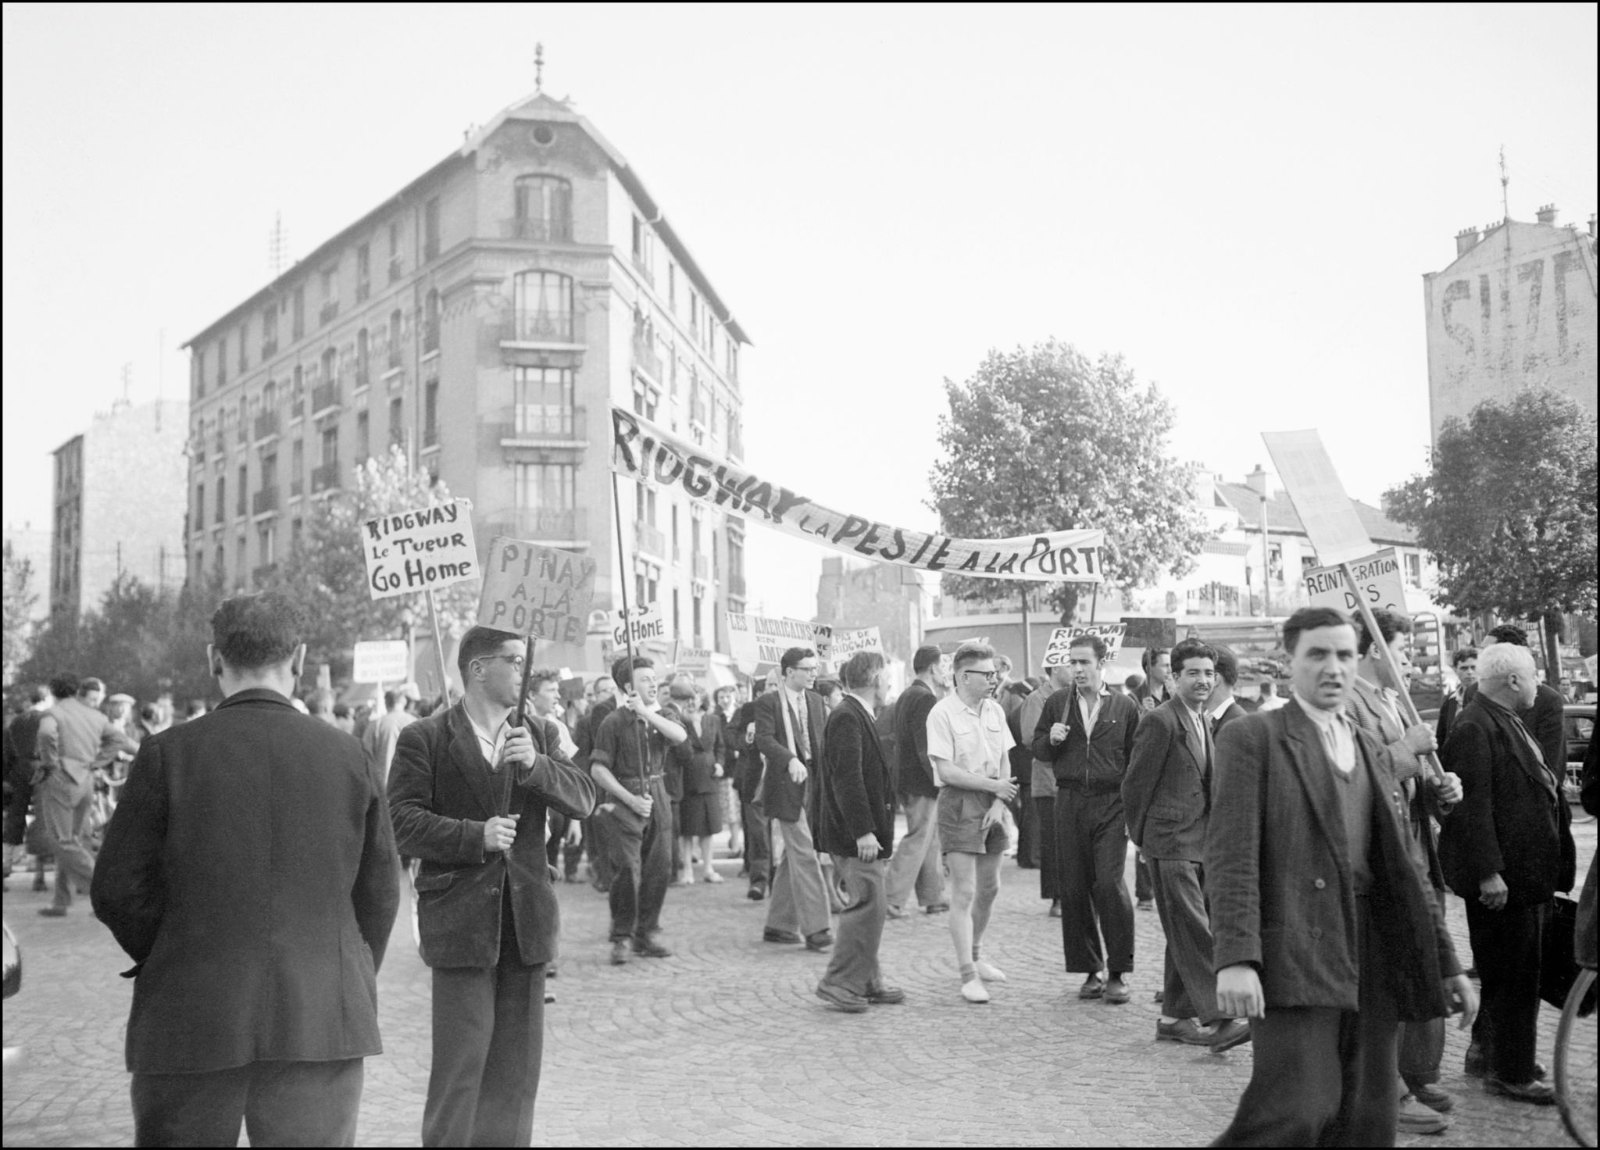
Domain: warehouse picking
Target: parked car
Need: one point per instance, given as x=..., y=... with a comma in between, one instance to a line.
x=1580, y=729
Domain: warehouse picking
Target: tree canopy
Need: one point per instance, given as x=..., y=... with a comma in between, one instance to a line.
x=19, y=600
x=1041, y=439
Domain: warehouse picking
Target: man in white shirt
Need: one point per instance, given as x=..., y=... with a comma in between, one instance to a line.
x=968, y=744
x=1270, y=699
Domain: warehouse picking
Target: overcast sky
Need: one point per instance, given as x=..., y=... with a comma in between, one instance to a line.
x=1242, y=201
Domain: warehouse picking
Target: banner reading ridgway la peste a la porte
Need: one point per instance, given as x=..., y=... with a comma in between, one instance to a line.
x=647, y=452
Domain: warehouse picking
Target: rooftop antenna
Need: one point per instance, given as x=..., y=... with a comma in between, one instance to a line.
x=1505, y=182
x=277, y=246
x=538, y=69
x=127, y=381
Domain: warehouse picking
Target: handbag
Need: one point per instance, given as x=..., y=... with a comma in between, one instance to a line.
x=1558, y=968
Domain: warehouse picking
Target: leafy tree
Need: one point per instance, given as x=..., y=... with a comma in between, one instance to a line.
x=1041, y=439
x=19, y=600
x=327, y=570
x=1508, y=510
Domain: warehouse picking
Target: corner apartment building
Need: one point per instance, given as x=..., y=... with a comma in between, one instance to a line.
x=484, y=319
x=117, y=488
x=1516, y=309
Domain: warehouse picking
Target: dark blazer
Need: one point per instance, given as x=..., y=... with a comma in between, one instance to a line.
x=1231, y=715
x=1165, y=795
x=584, y=735
x=441, y=793
x=1508, y=822
x=782, y=797
x=852, y=792
x=250, y=871
x=747, y=756
x=1546, y=720
x=1449, y=710
x=913, y=773
x=1096, y=764
x=1278, y=875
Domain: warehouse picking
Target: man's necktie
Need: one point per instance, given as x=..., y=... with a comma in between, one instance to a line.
x=802, y=734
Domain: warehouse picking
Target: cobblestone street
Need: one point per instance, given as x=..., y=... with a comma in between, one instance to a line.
x=725, y=1043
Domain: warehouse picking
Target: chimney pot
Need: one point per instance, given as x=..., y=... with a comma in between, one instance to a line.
x=1257, y=481
x=1466, y=240
x=1547, y=214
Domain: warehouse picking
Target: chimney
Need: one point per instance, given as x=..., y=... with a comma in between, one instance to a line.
x=1547, y=215
x=1466, y=240
x=1257, y=481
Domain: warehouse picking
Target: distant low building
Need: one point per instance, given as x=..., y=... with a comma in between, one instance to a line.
x=856, y=593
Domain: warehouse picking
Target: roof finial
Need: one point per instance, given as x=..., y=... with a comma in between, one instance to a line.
x=538, y=69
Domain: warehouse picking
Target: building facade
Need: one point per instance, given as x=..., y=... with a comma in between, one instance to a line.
x=484, y=319
x=859, y=593
x=116, y=490
x=1516, y=309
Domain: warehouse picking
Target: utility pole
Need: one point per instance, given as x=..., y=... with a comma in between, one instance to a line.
x=1266, y=556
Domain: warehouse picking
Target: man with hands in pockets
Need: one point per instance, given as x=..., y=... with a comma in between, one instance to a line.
x=462, y=782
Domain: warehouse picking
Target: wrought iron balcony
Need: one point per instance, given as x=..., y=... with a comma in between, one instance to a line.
x=557, y=230
x=324, y=397
x=539, y=423
x=266, y=425
x=325, y=478
x=540, y=326
x=265, y=501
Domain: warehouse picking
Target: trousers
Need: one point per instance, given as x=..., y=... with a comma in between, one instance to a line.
x=854, y=963
x=278, y=1103
x=65, y=812
x=1092, y=850
x=757, y=843
x=799, y=902
x=1508, y=946
x=917, y=864
x=641, y=866
x=1322, y=1076
x=1044, y=807
x=1422, y=1043
x=1189, y=983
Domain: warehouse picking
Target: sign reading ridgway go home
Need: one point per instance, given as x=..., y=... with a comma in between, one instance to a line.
x=647, y=452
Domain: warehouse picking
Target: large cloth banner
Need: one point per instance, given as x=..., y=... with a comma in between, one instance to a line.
x=647, y=452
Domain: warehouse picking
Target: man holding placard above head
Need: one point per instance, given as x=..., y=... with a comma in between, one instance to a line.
x=469, y=792
x=629, y=764
x=968, y=744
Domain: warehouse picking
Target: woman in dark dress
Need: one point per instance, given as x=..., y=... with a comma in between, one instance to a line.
x=700, y=809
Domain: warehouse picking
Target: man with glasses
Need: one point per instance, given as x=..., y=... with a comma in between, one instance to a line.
x=462, y=782
x=968, y=744
x=789, y=725
x=1086, y=735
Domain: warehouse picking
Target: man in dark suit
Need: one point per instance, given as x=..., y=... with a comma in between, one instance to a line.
x=1167, y=797
x=789, y=724
x=1506, y=850
x=747, y=780
x=250, y=873
x=461, y=782
x=918, y=865
x=1464, y=660
x=852, y=808
x=21, y=754
x=1221, y=706
x=1323, y=931
x=596, y=830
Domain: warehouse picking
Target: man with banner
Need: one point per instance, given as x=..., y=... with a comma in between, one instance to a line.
x=789, y=724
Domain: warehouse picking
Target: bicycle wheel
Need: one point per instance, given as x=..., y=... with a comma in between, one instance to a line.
x=1577, y=1068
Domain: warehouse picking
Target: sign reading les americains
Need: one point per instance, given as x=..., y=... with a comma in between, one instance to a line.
x=648, y=453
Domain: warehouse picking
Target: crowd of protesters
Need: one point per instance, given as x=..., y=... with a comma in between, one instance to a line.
x=1298, y=852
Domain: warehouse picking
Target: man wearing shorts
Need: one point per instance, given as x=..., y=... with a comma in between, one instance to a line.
x=968, y=741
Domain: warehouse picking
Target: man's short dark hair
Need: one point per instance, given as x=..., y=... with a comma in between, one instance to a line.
x=1099, y=645
x=1268, y=688
x=64, y=686
x=39, y=693
x=539, y=676
x=622, y=670
x=341, y=710
x=1151, y=654
x=791, y=658
x=860, y=669
x=925, y=657
x=90, y=685
x=1309, y=619
x=320, y=701
x=254, y=631
x=1192, y=649
x=149, y=712
x=481, y=641
x=1509, y=633
x=826, y=687
x=1390, y=624
x=1227, y=666
x=389, y=698
x=1461, y=655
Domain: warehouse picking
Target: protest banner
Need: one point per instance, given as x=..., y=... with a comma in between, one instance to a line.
x=419, y=550
x=648, y=453
x=381, y=661
x=1378, y=580
x=757, y=640
x=1055, y=653
x=645, y=623
x=536, y=591
x=847, y=643
x=695, y=660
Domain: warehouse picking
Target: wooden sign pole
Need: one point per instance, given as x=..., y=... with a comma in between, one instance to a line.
x=438, y=649
x=1407, y=706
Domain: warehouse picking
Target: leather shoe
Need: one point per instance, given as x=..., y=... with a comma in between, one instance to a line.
x=757, y=892
x=936, y=908
x=885, y=995
x=1414, y=1118
x=1092, y=987
x=1116, y=991
x=1434, y=1098
x=619, y=953
x=53, y=911
x=820, y=941
x=650, y=948
x=1534, y=1091
x=772, y=935
x=1477, y=1064
x=1227, y=1035
x=1183, y=1030
x=1055, y=908
x=840, y=999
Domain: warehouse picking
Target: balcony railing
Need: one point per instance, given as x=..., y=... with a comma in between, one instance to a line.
x=264, y=501
x=269, y=347
x=541, y=326
x=645, y=357
x=736, y=584
x=324, y=397
x=263, y=574
x=266, y=425
x=702, y=567
x=325, y=478
x=569, y=524
x=558, y=230
x=650, y=539
x=539, y=423
x=329, y=310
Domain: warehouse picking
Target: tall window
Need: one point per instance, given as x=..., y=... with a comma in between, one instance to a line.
x=394, y=250
x=544, y=306
x=363, y=272
x=394, y=338
x=1413, y=568
x=676, y=555
x=362, y=366
x=199, y=505
x=644, y=256
x=672, y=286
x=330, y=446
x=269, y=472
x=222, y=361
x=244, y=348
x=695, y=603
x=242, y=500
x=264, y=547
x=543, y=208
x=269, y=331
x=430, y=413
x=677, y=615
x=297, y=314
x=543, y=401
x=430, y=322
x=363, y=439
x=197, y=372
x=397, y=431
x=330, y=368
x=545, y=486
x=430, y=229
x=330, y=293
x=222, y=498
